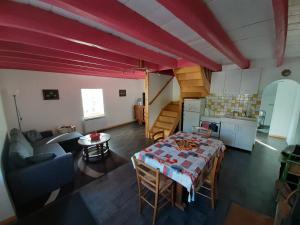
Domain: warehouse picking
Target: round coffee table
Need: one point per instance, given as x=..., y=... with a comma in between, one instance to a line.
x=94, y=150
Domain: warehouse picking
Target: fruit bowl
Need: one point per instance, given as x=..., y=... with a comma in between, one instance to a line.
x=95, y=136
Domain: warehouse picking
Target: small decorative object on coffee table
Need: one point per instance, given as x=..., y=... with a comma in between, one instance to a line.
x=95, y=146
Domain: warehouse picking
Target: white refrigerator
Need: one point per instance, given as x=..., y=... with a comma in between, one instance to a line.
x=193, y=109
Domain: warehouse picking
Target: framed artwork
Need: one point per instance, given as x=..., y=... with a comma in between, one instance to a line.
x=122, y=93
x=50, y=94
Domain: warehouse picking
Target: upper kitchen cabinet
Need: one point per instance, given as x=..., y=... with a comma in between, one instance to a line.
x=250, y=81
x=217, y=83
x=232, y=82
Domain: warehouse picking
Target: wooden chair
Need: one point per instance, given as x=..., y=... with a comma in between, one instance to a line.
x=202, y=131
x=210, y=181
x=158, y=136
x=219, y=163
x=285, y=207
x=151, y=180
x=212, y=129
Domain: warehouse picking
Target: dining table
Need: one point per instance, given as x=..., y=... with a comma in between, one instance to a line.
x=184, y=158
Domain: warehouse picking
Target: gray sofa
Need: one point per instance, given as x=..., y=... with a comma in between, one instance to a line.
x=35, y=171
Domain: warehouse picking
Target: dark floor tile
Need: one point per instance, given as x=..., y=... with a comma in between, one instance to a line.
x=245, y=178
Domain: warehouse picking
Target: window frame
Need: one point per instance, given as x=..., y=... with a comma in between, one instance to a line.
x=82, y=105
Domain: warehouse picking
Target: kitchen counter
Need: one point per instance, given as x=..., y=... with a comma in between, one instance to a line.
x=234, y=118
x=238, y=132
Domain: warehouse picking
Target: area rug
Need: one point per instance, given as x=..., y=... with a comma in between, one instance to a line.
x=84, y=174
x=241, y=216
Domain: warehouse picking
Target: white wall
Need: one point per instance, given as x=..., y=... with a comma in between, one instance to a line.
x=6, y=209
x=156, y=82
x=176, y=90
x=297, y=134
x=293, y=136
x=42, y=115
x=284, y=104
x=268, y=100
x=272, y=73
x=269, y=71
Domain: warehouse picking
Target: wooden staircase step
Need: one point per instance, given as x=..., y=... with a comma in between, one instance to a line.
x=191, y=69
x=164, y=125
x=189, y=76
x=191, y=89
x=167, y=119
x=156, y=129
x=192, y=94
x=172, y=107
x=169, y=113
x=194, y=82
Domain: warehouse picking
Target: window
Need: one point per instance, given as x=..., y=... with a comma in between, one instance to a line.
x=92, y=103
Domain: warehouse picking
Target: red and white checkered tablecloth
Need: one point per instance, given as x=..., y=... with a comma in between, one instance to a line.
x=183, y=166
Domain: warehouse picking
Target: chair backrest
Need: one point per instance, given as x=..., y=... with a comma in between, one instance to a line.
x=147, y=175
x=202, y=131
x=285, y=207
x=213, y=126
x=158, y=136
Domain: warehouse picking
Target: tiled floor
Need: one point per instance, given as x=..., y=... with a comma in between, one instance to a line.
x=245, y=178
x=271, y=142
x=128, y=139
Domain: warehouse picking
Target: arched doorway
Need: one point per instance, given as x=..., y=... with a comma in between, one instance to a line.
x=280, y=111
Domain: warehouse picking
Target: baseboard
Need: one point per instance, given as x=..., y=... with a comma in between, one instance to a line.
x=116, y=126
x=8, y=221
x=277, y=136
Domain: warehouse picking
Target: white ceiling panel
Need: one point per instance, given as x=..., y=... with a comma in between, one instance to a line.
x=293, y=34
x=170, y=23
x=257, y=48
x=249, y=23
x=90, y=23
x=209, y=51
x=246, y=22
x=234, y=14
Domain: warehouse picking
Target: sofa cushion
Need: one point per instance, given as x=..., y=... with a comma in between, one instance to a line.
x=50, y=148
x=33, y=135
x=17, y=155
x=41, y=157
x=17, y=136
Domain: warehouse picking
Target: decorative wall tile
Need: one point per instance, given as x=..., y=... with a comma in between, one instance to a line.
x=242, y=104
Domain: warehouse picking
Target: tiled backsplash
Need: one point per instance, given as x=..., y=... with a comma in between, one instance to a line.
x=226, y=105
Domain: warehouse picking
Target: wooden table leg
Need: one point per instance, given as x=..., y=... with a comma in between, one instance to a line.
x=179, y=197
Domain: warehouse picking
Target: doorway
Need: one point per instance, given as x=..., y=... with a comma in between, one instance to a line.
x=278, y=122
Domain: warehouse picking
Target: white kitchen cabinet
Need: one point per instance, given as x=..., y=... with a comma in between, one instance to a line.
x=237, y=133
x=232, y=82
x=250, y=81
x=217, y=83
x=245, y=136
x=228, y=133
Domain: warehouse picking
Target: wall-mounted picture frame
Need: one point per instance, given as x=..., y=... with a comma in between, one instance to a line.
x=122, y=93
x=50, y=94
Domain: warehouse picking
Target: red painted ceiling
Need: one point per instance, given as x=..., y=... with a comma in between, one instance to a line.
x=35, y=39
